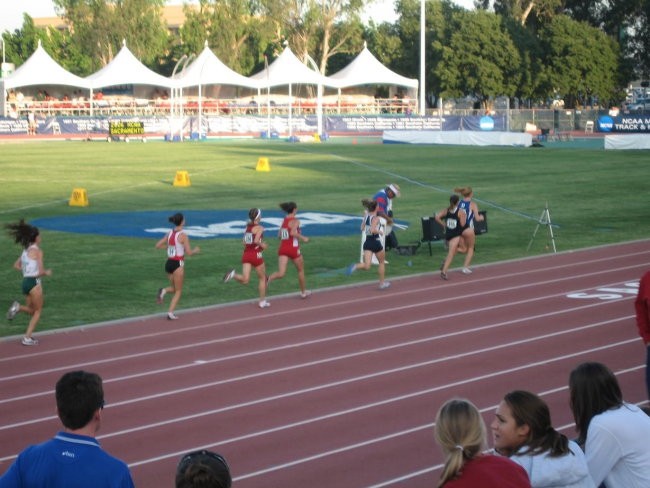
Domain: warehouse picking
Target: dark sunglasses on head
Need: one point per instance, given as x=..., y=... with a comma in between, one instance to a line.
x=192, y=457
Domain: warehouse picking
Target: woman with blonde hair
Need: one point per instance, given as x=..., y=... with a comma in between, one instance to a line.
x=468, y=237
x=461, y=434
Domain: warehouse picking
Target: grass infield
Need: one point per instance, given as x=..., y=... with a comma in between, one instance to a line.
x=594, y=197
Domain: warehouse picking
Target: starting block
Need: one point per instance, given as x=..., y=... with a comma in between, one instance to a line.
x=182, y=178
x=79, y=198
x=263, y=165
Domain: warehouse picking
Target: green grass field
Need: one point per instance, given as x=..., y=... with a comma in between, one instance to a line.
x=595, y=197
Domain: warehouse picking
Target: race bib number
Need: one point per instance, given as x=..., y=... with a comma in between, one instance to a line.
x=284, y=234
x=171, y=252
x=248, y=238
x=451, y=224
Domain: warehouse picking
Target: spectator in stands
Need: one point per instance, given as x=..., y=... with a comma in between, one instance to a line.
x=73, y=458
x=203, y=469
x=522, y=430
x=642, y=308
x=614, y=434
x=460, y=432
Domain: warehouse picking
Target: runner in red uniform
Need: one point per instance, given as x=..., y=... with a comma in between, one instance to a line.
x=290, y=237
x=252, y=257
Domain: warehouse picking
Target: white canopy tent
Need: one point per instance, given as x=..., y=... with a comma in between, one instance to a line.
x=365, y=69
x=287, y=69
x=39, y=69
x=208, y=69
x=126, y=69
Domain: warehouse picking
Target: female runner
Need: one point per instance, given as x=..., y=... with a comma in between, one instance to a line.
x=252, y=257
x=453, y=219
x=178, y=246
x=290, y=237
x=30, y=263
x=468, y=236
x=371, y=225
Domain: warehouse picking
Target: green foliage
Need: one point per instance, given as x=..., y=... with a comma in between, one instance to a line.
x=582, y=62
x=480, y=60
x=99, y=28
x=97, y=278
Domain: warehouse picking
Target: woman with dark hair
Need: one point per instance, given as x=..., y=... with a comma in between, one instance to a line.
x=252, y=257
x=178, y=246
x=613, y=433
x=30, y=263
x=203, y=469
x=453, y=219
x=371, y=226
x=522, y=430
x=290, y=237
x=460, y=433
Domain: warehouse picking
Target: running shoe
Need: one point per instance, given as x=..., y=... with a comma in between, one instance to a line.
x=443, y=276
x=29, y=341
x=384, y=285
x=171, y=316
x=14, y=308
x=264, y=304
x=305, y=294
x=351, y=269
x=160, y=295
x=466, y=271
x=228, y=276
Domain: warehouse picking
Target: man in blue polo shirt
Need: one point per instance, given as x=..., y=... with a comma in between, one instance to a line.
x=384, y=199
x=73, y=458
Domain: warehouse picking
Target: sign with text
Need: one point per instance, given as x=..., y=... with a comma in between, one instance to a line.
x=126, y=128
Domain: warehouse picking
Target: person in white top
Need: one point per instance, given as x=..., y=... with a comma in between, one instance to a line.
x=177, y=243
x=30, y=263
x=522, y=430
x=614, y=434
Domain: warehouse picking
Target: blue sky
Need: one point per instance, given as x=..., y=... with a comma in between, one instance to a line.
x=11, y=11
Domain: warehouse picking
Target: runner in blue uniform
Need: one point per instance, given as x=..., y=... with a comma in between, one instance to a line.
x=371, y=226
x=469, y=236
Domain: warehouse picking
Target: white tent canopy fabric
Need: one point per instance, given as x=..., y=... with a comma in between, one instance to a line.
x=41, y=69
x=365, y=69
x=208, y=69
x=287, y=69
x=126, y=69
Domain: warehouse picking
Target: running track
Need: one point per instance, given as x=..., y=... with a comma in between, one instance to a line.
x=339, y=390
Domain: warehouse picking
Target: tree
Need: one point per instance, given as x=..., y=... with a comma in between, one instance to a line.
x=99, y=27
x=480, y=60
x=626, y=21
x=232, y=28
x=521, y=10
x=324, y=28
x=582, y=63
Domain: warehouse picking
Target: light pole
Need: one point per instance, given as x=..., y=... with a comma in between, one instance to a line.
x=319, y=99
x=172, y=107
x=268, y=98
x=423, y=109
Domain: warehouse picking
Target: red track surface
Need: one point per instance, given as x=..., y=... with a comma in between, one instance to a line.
x=339, y=390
